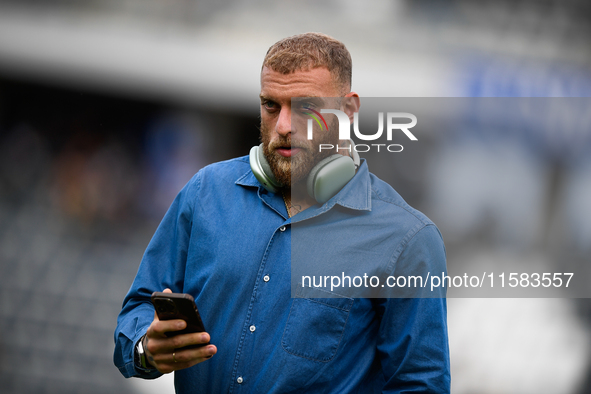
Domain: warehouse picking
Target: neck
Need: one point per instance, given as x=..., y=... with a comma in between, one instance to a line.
x=297, y=199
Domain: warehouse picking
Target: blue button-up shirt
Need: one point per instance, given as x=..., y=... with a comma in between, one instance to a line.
x=227, y=241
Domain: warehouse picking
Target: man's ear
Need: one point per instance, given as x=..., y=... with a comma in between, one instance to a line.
x=350, y=105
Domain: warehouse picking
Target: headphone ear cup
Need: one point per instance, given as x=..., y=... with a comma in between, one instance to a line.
x=329, y=176
x=262, y=170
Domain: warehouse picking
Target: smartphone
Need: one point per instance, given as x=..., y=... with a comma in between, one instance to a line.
x=171, y=306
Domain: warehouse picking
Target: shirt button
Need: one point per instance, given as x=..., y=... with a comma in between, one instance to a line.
x=252, y=328
x=239, y=380
x=266, y=278
x=282, y=228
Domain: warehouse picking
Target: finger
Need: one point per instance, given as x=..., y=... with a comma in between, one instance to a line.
x=168, y=368
x=198, y=338
x=161, y=327
x=172, y=366
x=195, y=355
x=161, y=348
x=181, y=356
x=184, y=340
x=182, y=359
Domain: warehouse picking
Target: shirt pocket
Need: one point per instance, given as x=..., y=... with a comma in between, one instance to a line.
x=316, y=324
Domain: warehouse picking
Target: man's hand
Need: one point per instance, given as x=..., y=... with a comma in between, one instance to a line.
x=163, y=352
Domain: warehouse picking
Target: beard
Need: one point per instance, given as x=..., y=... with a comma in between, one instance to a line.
x=292, y=170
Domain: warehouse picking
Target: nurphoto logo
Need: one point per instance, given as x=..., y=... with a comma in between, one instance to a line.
x=345, y=130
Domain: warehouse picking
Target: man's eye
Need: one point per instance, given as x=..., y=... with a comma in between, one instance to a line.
x=269, y=105
x=308, y=106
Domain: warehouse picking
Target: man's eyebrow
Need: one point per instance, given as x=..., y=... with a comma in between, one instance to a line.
x=262, y=96
x=315, y=100
x=312, y=96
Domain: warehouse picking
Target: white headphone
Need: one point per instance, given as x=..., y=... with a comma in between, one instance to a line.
x=325, y=180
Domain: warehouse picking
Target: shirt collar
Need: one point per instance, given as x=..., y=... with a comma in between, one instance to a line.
x=355, y=195
x=249, y=180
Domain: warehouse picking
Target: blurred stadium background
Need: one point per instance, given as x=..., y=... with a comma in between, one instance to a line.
x=108, y=107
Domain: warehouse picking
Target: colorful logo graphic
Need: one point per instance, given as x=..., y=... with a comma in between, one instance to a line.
x=315, y=117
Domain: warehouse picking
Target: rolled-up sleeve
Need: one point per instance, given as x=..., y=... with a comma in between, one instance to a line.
x=162, y=266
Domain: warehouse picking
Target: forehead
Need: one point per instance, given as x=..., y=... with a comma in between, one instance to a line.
x=316, y=82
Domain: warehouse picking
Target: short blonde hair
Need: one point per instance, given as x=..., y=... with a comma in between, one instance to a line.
x=306, y=51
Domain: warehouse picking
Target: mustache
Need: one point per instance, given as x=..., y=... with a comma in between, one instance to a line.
x=285, y=142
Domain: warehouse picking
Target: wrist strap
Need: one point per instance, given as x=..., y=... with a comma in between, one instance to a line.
x=141, y=353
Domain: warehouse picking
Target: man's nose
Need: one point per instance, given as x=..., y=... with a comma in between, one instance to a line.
x=283, y=126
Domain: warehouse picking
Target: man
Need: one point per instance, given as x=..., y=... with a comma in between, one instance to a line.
x=226, y=240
